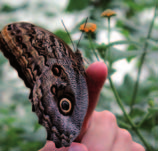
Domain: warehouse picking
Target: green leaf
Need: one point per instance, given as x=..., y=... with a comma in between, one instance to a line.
x=117, y=54
x=155, y=132
x=9, y=120
x=2, y=59
x=8, y=8
x=77, y=5
x=36, y=127
x=4, y=111
x=63, y=35
x=122, y=42
x=102, y=48
x=152, y=55
x=153, y=110
x=49, y=14
x=111, y=72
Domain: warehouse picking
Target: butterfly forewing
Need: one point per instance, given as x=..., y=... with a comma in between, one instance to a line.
x=55, y=75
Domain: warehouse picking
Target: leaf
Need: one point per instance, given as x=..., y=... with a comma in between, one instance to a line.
x=63, y=35
x=2, y=59
x=117, y=54
x=9, y=120
x=36, y=127
x=8, y=8
x=77, y=5
x=152, y=55
x=49, y=14
x=111, y=72
x=122, y=42
x=4, y=111
x=153, y=110
x=155, y=132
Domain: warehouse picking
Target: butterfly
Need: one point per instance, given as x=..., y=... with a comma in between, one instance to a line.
x=55, y=75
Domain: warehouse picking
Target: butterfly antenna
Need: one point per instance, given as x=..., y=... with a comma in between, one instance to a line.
x=68, y=34
x=82, y=32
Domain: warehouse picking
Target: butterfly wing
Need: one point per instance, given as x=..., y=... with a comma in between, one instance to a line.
x=55, y=76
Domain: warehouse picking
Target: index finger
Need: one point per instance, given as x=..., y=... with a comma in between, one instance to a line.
x=96, y=75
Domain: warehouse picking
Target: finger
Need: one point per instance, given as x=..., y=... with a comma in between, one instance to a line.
x=137, y=147
x=123, y=141
x=50, y=146
x=77, y=147
x=102, y=132
x=96, y=75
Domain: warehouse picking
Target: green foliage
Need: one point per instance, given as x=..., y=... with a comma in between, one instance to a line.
x=77, y=5
x=18, y=125
x=7, y=8
x=63, y=35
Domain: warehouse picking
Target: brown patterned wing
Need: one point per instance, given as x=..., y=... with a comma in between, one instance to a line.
x=55, y=76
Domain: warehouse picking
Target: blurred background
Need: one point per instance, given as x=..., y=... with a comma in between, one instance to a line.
x=19, y=128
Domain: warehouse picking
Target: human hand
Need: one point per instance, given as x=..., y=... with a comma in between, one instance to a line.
x=100, y=131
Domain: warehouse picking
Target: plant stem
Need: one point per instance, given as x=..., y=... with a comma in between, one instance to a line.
x=144, y=118
x=108, y=30
x=90, y=41
x=135, y=90
x=108, y=55
x=124, y=125
x=134, y=127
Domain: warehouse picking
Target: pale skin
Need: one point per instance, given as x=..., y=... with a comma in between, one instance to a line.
x=100, y=131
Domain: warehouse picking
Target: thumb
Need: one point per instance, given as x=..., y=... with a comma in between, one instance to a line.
x=96, y=75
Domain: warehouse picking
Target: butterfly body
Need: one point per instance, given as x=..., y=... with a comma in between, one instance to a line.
x=55, y=76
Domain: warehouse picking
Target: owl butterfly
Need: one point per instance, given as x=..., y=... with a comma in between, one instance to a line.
x=55, y=76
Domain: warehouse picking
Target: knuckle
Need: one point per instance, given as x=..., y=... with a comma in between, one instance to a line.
x=108, y=116
x=126, y=135
x=141, y=148
x=137, y=147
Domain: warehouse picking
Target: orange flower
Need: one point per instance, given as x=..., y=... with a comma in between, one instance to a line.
x=89, y=27
x=108, y=13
